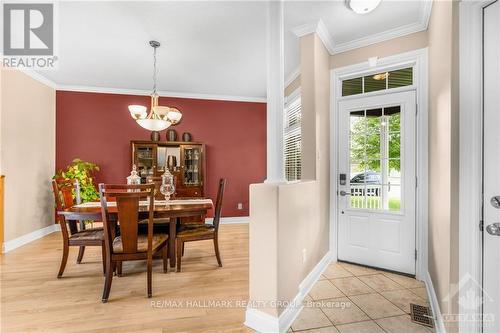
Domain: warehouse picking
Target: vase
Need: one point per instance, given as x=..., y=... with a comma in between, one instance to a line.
x=171, y=135
x=186, y=137
x=155, y=136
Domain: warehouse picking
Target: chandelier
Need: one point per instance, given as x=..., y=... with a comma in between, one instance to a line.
x=159, y=117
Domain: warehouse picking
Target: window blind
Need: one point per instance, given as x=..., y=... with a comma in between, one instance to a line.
x=292, y=139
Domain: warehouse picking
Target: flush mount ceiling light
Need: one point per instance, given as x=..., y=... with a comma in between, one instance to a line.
x=362, y=6
x=159, y=117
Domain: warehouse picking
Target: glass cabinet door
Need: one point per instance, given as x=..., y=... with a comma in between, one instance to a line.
x=192, y=166
x=145, y=160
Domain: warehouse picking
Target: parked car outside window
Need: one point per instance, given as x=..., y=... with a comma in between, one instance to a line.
x=372, y=178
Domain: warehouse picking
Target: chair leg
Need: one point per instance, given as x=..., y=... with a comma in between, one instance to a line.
x=150, y=277
x=183, y=249
x=80, y=255
x=180, y=244
x=217, y=253
x=165, y=258
x=103, y=259
x=107, y=283
x=119, y=268
x=63, y=260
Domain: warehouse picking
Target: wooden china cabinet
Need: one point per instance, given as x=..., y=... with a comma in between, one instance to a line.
x=185, y=160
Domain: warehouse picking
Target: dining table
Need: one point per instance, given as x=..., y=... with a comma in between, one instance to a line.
x=170, y=210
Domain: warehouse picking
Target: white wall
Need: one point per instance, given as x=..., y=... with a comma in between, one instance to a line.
x=27, y=152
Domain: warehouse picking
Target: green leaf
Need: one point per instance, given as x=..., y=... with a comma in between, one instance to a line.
x=83, y=171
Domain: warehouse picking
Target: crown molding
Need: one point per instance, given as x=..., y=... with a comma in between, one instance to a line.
x=420, y=25
x=37, y=77
x=140, y=92
x=379, y=37
x=305, y=29
x=320, y=29
x=334, y=48
x=104, y=90
x=325, y=36
x=292, y=76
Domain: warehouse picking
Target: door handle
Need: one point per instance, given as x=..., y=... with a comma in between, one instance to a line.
x=495, y=201
x=344, y=193
x=493, y=229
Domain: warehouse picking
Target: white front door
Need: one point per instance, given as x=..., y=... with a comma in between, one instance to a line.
x=491, y=168
x=376, y=177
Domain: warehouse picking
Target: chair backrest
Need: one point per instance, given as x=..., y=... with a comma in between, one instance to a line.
x=63, y=192
x=218, y=203
x=63, y=195
x=156, y=180
x=127, y=199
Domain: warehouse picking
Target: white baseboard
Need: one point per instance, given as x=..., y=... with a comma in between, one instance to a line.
x=37, y=234
x=230, y=220
x=261, y=322
x=431, y=293
x=265, y=323
x=311, y=278
x=28, y=238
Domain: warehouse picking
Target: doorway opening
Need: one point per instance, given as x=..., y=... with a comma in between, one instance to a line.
x=378, y=176
x=376, y=179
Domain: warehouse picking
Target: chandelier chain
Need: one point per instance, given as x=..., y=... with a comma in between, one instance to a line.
x=154, y=70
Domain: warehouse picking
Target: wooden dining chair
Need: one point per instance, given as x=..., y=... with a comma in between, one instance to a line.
x=130, y=244
x=156, y=180
x=190, y=232
x=63, y=194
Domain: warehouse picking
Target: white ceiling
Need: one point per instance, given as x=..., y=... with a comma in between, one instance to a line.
x=208, y=48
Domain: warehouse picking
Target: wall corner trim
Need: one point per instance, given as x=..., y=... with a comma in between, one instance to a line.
x=28, y=238
x=266, y=323
x=292, y=76
x=431, y=293
x=470, y=151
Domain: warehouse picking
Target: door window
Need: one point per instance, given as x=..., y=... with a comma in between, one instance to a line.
x=375, y=159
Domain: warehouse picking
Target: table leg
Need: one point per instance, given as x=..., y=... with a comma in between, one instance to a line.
x=171, y=240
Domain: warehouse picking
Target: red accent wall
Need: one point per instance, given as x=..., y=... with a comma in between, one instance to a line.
x=98, y=128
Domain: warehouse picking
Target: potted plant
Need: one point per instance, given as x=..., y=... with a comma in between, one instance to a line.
x=83, y=172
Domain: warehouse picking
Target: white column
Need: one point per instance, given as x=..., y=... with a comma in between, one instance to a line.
x=275, y=92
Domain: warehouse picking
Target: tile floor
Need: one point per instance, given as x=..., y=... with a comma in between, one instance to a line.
x=355, y=299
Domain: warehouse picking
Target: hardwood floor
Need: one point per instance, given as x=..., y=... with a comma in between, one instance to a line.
x=34, y=300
